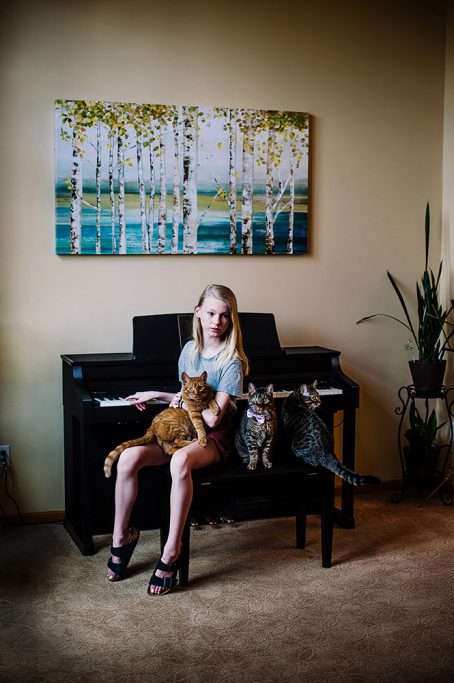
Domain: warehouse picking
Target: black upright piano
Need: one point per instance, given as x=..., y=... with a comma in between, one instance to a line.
x=96, y=420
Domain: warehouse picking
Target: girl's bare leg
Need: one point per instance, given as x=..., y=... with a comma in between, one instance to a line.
x=181, y=465
x=130, y=462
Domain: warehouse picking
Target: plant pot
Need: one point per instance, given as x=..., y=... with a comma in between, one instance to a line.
x=427, y=376
x=420, y=466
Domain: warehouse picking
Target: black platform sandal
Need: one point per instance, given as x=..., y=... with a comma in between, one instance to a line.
x=169, y=582
x=124, y=552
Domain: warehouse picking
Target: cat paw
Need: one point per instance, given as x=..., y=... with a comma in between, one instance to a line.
x=252, y=466
x=203, y=441
x=268, y=465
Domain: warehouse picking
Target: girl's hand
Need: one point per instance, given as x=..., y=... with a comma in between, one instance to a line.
x=175, y=402
x=140, y=398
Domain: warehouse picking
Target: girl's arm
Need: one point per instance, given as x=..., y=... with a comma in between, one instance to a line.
x=140, y=398
x=223, y=400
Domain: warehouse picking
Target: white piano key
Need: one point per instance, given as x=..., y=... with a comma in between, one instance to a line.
x=107, y=402
x=116, y=402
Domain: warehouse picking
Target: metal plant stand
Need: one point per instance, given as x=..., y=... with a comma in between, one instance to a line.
x=407, y=396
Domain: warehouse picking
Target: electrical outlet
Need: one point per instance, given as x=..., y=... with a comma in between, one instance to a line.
x=5, y=456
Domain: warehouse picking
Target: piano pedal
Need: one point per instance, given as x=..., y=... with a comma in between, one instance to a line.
x=211, y=521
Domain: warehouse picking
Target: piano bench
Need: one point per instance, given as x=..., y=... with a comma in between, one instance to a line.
x=308, y=490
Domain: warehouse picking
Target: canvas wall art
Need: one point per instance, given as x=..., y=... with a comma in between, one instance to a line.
x=165, y=179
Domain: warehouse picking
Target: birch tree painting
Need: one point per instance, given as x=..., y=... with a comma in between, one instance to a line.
x=166, y=179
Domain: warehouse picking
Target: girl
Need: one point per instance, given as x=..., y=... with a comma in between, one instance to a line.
x=216, y=347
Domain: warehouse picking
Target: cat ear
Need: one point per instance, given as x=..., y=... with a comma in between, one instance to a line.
x=270, y=389
x=251, y=388
x=204, y=376
x=184, y=377
x=315, y=384
x=304, y=390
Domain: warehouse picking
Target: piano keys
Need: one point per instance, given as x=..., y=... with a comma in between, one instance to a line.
x=115, y=401
x=97, y=418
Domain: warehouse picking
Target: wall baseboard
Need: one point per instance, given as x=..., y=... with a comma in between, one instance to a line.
x=45, y=517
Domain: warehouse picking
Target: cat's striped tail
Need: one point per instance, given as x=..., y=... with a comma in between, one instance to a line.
x=148, y=437
x=330, y=462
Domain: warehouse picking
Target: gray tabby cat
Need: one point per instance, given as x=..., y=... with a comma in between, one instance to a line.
x=257, y=431
x=309, y=437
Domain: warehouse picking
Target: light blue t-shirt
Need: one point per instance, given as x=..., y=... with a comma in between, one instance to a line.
x=228, y=379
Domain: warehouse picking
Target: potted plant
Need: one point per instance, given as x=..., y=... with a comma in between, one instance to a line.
x=422, y=453
x=430, y=334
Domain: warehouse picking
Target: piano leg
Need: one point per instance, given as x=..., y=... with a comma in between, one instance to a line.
x=327, y=516
x=77, y=519
x=84, y=543
x=345, y=515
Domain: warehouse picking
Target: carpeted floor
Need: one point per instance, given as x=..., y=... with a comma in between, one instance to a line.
x=256, y=609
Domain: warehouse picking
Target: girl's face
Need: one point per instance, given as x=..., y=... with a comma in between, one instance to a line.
x=214, y=316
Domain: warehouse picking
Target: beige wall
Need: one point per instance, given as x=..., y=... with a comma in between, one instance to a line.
x=371, y=74
x=448, y=149
x=448, y=173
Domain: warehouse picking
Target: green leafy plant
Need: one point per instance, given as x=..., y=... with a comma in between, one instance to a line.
x=429, y=334
x=423, y=431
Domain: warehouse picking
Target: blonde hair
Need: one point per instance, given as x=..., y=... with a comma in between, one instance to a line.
x=233, y=338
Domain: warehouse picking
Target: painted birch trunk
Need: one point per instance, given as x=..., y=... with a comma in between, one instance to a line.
x=162, y=210
x=76, y=197
x=247, y=198
x=151, y=200
x=232, y=181
x=176, y=186
x=291, y=211
x=121, y=195
x=190, y=217
x=269, y=180
x=142, y=198
x=98, y=187
x=112, y=192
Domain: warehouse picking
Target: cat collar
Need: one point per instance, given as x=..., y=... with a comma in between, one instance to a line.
x=259, y=418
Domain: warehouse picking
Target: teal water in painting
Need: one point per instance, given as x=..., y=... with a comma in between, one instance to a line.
x=213, y=234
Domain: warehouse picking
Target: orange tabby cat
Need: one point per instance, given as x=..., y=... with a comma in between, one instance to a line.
x=175, y=428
